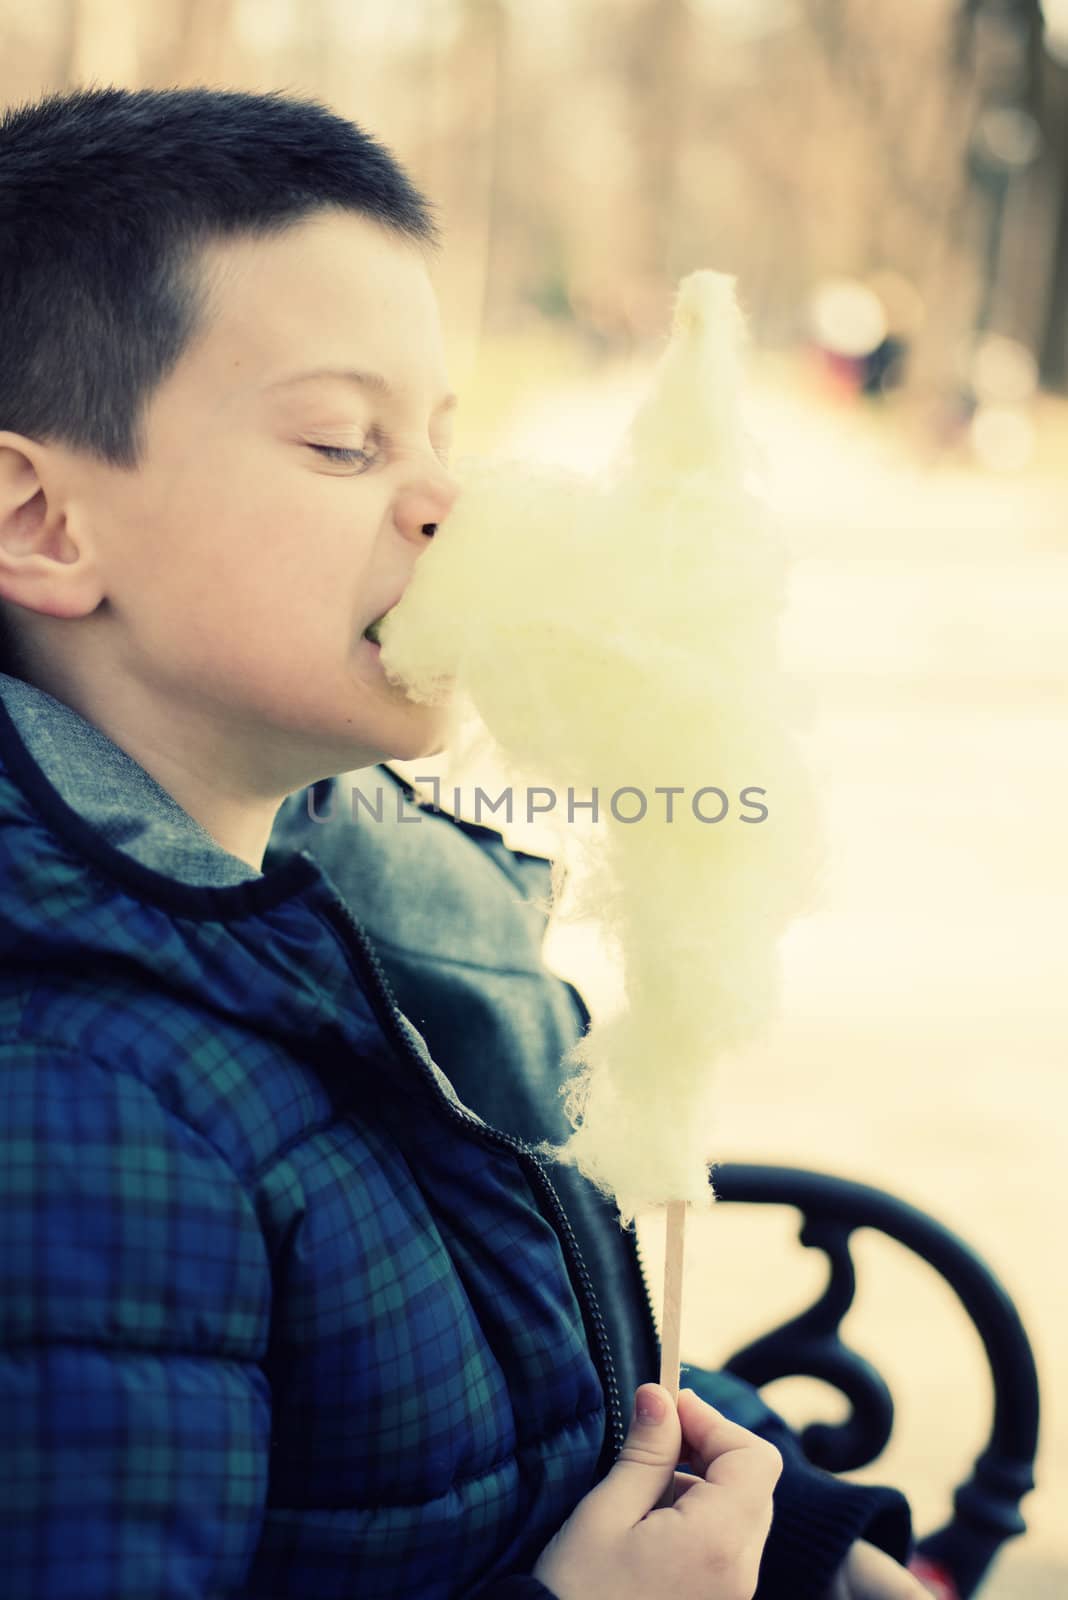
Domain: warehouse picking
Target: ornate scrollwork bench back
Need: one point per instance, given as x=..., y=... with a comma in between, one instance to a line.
x=986, y=1506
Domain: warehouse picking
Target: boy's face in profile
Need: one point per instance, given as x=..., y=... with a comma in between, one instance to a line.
x=241, y=564
x=246, y=559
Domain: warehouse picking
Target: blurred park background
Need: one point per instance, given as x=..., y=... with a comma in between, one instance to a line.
x=888, y=183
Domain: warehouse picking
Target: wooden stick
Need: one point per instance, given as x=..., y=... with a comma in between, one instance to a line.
x=671, y=1323
x=674, y=1241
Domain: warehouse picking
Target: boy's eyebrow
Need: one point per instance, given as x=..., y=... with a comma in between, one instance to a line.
x=365, y=380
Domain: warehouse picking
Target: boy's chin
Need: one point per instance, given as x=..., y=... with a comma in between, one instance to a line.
x=423, y=733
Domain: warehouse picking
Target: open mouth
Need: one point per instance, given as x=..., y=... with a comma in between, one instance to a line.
x=371, y=632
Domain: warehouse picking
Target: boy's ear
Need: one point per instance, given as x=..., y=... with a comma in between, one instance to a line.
x=46, y=564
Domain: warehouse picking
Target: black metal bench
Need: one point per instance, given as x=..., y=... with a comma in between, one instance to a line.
x=986, y=1506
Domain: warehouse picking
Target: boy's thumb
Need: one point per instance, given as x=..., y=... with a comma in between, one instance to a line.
x=646, y=1464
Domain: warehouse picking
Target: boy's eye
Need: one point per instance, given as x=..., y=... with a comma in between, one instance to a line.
x=348, y=457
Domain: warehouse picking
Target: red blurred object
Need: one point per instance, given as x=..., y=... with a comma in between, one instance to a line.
x=936, y=1578
x=840, y=375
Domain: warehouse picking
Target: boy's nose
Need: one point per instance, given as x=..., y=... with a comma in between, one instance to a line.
x=422, y=509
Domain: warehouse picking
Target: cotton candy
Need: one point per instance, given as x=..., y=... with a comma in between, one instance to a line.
x=618, y=633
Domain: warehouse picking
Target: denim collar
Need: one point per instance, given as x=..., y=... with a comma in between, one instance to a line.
x=113, y=792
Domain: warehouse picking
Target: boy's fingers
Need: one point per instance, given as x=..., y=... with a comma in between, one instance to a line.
x=731, y=1522
x=646, y=1464
x=724, y=1452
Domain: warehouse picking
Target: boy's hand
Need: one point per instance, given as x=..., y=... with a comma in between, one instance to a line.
x=707, y=1546
x=868, y=1573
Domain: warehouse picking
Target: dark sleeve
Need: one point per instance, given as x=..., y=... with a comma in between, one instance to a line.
x=134, y=1289
x=817, y=1516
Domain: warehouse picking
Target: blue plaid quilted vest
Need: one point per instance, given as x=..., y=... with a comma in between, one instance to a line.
x=279, y=1315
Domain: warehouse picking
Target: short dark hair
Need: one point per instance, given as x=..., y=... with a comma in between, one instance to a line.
x=106, y=195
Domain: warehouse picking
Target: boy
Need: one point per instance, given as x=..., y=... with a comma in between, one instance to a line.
x=280, y=1316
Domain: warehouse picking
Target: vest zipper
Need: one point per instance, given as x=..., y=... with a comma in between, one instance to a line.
x=650, y=1313
x=355, y=938
x=629, y=1233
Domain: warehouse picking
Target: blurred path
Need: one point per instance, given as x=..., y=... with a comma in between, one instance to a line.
x=923, y=1044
